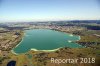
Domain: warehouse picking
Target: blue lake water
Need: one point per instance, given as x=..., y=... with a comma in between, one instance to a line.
x=45, y=39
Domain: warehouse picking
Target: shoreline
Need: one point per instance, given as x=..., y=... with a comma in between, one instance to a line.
x=36, y=51
x=17, y=45
x=46, y=50
x=20, y=41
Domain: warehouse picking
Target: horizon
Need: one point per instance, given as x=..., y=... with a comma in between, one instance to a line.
x=48, y=10
x=47, y=21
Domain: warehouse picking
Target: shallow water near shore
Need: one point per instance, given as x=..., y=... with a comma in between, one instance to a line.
x=45, y=39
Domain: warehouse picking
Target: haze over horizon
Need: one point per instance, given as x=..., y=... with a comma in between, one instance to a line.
x=48, y=10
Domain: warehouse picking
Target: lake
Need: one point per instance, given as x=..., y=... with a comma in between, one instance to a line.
x=45, y=39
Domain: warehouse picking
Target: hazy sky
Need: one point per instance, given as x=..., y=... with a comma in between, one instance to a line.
x=42, y=10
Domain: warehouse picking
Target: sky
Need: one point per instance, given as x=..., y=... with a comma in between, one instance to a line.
x=48, y=10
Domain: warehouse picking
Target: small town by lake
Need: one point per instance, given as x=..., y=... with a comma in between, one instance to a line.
x=46, y=39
